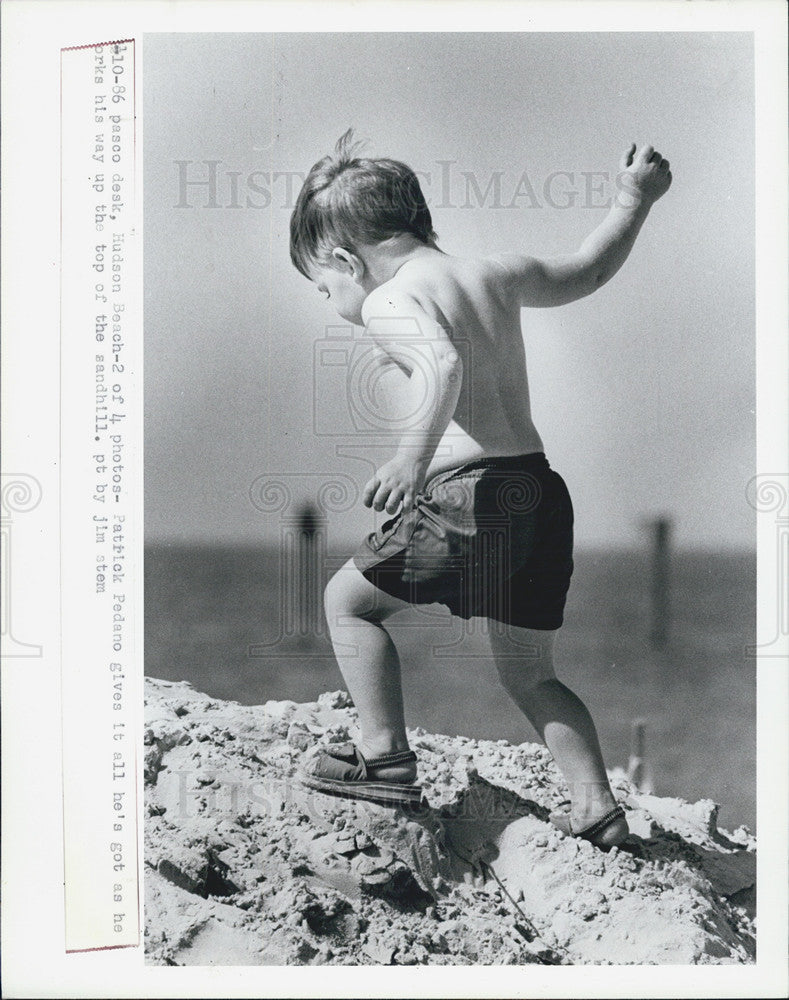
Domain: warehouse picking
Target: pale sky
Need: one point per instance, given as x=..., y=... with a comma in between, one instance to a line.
x=643, y=393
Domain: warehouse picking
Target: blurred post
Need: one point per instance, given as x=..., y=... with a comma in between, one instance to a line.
x=309, y=571
x=661, y=583
x=638, y=771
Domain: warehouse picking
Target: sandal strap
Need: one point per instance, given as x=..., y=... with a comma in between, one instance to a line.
x=388, y=759
x=601, y=824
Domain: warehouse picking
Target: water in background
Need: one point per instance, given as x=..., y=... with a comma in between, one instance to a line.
x=213, y=616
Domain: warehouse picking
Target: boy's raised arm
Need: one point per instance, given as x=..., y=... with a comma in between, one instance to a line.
x=554, y=281
x=401, y=328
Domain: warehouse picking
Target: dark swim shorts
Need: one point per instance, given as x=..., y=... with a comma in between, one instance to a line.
x=493, y=538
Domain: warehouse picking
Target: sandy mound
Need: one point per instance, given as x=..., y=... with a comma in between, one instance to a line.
x=244, y=867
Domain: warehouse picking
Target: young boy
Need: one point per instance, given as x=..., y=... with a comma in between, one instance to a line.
x=481, y=522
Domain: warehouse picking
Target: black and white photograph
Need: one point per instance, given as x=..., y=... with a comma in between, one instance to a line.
x=450, y=550
x=395, y=498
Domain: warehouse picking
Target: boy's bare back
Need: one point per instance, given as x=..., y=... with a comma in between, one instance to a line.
x=476, y=304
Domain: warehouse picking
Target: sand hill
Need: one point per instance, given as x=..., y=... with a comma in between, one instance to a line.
x=244, y=867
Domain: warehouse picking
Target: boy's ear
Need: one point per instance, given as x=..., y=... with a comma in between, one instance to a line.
x=350, y=261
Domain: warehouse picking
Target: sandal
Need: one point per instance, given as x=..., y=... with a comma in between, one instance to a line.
x=562, y=822
x=340, y=769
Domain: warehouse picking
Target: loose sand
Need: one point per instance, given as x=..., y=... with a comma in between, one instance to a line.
x=244, y=867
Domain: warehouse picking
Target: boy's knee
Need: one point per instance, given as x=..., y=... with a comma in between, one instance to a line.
x=341, y=598
x=523, y=676
x=524, y=665
x=335, y=599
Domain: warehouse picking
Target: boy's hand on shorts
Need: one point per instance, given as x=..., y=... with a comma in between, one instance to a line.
x=400, y=479
x=645, y=174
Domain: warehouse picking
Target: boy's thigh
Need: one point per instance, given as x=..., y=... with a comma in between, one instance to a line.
x=527, y=652
x=349, y=593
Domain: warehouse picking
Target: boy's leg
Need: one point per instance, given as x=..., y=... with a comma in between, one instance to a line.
x=355, y=612
x=524, y=659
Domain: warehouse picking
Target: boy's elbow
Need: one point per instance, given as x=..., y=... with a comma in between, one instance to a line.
x=589, y=282
x=584, y=277
x=451, y=364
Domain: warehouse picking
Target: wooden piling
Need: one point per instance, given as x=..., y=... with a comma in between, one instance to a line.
x=661, y=583
x=310, y=558
x=638, y=770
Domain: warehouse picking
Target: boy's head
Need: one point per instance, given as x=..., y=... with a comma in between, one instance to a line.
x=348, y=202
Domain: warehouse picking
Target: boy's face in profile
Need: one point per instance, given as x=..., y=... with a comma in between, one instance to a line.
x=341, y=289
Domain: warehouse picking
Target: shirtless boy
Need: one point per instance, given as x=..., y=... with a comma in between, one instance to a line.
x=480, y=522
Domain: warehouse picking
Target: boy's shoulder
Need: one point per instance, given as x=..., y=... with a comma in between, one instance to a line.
x=418, y=279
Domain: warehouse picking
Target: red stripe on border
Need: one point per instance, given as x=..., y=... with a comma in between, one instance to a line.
x=76, y=48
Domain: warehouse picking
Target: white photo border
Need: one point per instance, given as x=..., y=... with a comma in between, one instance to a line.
x=35, y=963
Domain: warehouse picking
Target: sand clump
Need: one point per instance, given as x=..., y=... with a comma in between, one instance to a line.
x=245, y=867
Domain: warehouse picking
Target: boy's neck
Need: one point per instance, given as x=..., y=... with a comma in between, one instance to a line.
x=384, y=260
